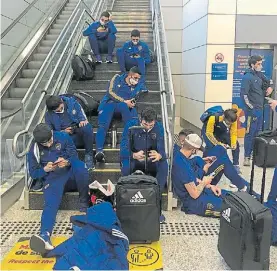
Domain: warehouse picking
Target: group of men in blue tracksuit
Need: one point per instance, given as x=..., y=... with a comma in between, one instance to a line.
x=53, y=161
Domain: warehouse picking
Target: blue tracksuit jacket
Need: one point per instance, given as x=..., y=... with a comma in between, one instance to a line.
x=99, y=245
x=74, y=110
x=141, y=49
x=92, y=29
x=155, y=139
x=118, y=90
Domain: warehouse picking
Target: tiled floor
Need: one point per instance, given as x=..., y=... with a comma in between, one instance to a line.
x=180, y=252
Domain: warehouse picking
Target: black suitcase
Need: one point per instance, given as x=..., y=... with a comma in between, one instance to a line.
x=245, y=228
x=138, y=207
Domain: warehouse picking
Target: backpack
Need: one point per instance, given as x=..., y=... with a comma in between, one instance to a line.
x=88, y=102
x=212, y=111
x=83, y=66
x=152, y=56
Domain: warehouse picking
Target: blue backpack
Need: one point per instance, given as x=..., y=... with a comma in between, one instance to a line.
x=212, y=111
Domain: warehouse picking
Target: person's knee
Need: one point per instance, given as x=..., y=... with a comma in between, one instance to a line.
x=93, y=37
x=220, y=151
x=78, y=167
x=87, y=130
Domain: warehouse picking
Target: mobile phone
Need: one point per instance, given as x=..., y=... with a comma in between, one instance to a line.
x=213, y=160
x=212, y=174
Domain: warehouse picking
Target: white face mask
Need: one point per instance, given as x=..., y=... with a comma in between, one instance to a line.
x=258, y=69
x=102, y=23
x=133, y=81
x=60, y=112
x=135, y=42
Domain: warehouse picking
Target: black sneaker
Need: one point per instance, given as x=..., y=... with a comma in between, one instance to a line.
x=37, y=185
x=100, y=157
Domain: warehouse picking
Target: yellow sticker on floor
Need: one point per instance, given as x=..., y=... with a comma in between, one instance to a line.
x=21, y=257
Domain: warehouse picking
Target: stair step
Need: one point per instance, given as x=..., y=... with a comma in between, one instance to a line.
x=68, y=9
x=100, y=75
x=39, y=57
x=51, y=37
x=18, y=92
x=64, y=16
x=10, y=103
x=24, y=82
x=44, y=49
x=138, y=22
x=129, y=29
x=29, y=73
x=114, y=67
x=57, y=26
x=49, y=43
x=34, y=64
x=112, y=155
x=61, y=21
x=55, y=31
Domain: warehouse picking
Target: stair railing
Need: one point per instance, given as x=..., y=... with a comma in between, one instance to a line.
x=166, y=85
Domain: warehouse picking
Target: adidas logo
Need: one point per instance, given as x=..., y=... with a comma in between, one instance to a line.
x=138, y=198
x=226, y=214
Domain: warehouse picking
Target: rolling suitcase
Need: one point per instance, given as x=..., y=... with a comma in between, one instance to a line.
x=245, y=228
x=138, y=205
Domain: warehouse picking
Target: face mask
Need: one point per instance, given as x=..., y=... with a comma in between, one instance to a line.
x=135, y=42
x=102, y=23
x=133, y=81
x=60, y=112
x=258, y=69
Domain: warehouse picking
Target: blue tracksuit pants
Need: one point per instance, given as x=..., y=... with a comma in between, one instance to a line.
x=159, y=169
x=273, y=191
x=83, y=137
x=207, y=204
x=105, y=117
x=66, y=179
x=223, y=165
x=254, y=125
x=126, y=62
x=97, y=45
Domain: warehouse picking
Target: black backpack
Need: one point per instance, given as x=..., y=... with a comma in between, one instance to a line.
x=152, y=56
x=83, y=67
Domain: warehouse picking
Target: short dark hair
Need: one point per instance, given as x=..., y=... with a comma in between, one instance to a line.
x=105, y=14
x=135, y=33
x=254, y=59
x=53, y=102
x=186, y=132
x=135, y=69
x=231, y=115
x=149, y=114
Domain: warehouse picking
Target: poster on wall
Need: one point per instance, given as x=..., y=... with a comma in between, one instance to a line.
x=240, y=65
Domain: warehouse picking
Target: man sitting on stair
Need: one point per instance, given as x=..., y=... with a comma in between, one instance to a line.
x=120, y=98
x=134, y=53
x=101, y=35
x=66, y=114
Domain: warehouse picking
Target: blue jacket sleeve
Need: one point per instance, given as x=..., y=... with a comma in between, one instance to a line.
x=111, y=93
x=146, y=55
x=70, y=149
x=80, y=112
x=48, y=121
x=125, y=46
x=90, y=30
x=160, y=142
x=245, y=88
x=125, y=142
x=36, y=171
x=112, y=28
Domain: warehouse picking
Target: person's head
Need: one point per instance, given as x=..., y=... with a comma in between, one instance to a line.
x=55, y=103
x=135, y=36
x=230, y=116
x=192, y=144
x=255, y=63
x=148, y=118
x=104, y=18
x=134, y=75
x=183, y=134
x=43, y=135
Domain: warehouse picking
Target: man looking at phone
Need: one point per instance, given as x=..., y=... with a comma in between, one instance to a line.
x=254, y=88
x=102, y=34
x=120, y=98
x=66, y=114
x=53, y=158
x=150, y=136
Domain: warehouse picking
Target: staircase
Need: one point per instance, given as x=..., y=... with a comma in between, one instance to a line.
x=127, y=15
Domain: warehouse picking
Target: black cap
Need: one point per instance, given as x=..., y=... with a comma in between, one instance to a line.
x=42, y=133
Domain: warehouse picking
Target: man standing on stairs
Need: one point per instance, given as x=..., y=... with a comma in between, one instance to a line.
x=66, y=114
x=101, y=35
x=151, y=136
x=53, y=158
x=120, y=98
x=134, y=53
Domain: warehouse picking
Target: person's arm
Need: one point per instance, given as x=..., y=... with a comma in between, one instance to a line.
x=48, y=121
x=70, y=148
x=196, y=190
x=90, y=30
x=234, y=134
x=125, y=151
x=146, y=54
x=79, y=109
x=210, y=131
x=111, y=92
x=36, y=171
x=245, y=88
x=112, y=28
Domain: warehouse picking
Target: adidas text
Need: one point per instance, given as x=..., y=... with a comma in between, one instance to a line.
x=138, y=198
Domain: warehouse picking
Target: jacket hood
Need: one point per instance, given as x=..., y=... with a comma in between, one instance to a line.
x=101, y=216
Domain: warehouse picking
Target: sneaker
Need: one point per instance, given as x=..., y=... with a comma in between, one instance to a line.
x=246, y=162
x=237, y=168
x=37, y=185
x=41, y=243
x=100, y=157
x=109, y=59
x=89, y=162
x=162, y=219
x=98, y=59
x=232, y=185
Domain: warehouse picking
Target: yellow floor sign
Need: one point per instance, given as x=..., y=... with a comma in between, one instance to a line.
x=21, y=257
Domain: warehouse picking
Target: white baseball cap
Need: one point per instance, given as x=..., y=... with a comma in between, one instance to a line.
x=194, y=140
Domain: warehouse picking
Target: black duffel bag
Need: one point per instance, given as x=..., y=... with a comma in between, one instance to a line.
x=138, y=207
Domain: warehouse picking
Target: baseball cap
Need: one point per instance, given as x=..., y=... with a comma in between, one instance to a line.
x=194, y=140
x=42, y=133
